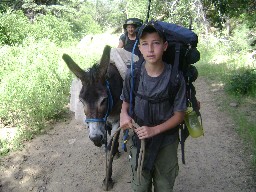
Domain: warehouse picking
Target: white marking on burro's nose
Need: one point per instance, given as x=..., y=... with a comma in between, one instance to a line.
x=96, y=129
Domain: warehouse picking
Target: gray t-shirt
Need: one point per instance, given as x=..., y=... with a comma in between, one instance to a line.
x=155, y=88
x=157, y=112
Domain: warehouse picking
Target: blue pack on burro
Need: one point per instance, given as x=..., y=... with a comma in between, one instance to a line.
x=181, y=53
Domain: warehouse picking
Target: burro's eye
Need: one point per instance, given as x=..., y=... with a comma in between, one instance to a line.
x=84, y=105
x=104, y=101
x=82, y=101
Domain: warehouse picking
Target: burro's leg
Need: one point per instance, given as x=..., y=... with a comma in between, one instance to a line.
x=108, y=183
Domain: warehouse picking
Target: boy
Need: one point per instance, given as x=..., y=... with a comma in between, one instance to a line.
x=158, y=120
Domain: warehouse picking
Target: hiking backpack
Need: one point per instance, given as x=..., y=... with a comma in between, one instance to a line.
x=181, y=53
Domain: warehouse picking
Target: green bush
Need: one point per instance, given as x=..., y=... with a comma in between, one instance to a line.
x=34, y=84
x=4, y=148
x=14, y=27
x=240, y=38
x=242, y=82
x=50, y=27
x=81, y=22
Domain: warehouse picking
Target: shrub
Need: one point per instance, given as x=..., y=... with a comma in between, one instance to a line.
x=242, y=82
x=14, y=27
x=82, y=22
x=34, y=85
x=50, y=27
x=240, y=38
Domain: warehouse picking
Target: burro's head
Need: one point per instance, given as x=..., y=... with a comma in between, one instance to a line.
x=94, y=94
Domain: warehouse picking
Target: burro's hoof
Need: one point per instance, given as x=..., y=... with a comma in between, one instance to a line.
x=117, y=155
x=107, y=185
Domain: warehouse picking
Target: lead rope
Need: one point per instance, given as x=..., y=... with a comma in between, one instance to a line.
x=110, y=159
x=110, y=105
x=140, y=158
x=141, y=155
x=107, y=169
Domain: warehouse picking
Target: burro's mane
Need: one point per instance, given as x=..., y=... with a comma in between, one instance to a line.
x=93, y=74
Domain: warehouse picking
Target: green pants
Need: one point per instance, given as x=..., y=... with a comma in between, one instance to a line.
x=163, y=174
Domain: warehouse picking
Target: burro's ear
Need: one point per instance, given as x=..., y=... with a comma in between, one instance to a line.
x=104, y=61
x=74, y=67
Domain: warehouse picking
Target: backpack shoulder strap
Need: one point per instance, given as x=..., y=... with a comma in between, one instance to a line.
x=136, y=73
x=135, y=80
x=126, y=40
x=123, y=37
x=175, y=75
x=175, y=68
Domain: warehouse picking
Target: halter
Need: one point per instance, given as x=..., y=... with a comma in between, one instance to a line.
x=110, y=105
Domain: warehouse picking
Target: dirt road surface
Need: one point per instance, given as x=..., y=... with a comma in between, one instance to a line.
x=65, y=160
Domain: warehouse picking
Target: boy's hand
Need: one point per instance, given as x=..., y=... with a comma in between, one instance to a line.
x=125, y=121
x=145, y=132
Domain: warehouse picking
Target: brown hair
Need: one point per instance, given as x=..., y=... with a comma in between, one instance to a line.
x=151, y=29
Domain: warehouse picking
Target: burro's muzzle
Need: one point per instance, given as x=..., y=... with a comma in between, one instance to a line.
x=97, y=133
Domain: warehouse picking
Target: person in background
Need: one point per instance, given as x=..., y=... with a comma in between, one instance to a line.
x=128, y=39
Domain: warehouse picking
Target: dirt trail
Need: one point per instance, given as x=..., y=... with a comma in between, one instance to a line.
x=64, y=160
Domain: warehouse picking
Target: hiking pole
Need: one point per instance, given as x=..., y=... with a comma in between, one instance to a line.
x=190, y=23
x=149, y=3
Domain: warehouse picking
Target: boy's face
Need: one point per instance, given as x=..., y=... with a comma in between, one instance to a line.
x=130, y=29
x=152, y=47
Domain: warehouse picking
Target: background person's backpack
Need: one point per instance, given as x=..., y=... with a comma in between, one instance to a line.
x=181, y=53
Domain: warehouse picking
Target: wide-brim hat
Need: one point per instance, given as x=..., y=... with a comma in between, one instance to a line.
x=129, y=22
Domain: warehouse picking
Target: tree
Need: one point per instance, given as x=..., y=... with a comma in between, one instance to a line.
x=219, y=11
